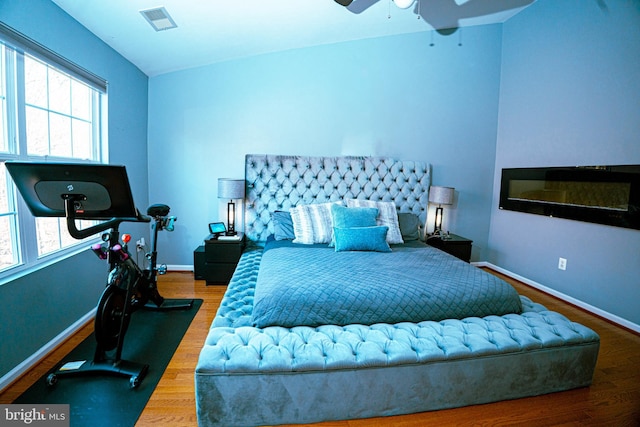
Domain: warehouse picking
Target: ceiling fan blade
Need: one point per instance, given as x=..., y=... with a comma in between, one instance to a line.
x=344, y=3
x=360, y=6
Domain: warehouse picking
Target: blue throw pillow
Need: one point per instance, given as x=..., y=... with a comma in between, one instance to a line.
x=361, y=239
x=282, y=226
x=344, y=217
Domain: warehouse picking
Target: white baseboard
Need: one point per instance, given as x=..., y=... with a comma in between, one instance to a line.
x=43, y=351
x=179, y=267
x=588, y=307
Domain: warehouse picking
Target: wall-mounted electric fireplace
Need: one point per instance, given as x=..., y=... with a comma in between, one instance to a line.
x=602, y=194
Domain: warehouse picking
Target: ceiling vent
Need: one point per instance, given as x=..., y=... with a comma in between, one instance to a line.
x=159, y=18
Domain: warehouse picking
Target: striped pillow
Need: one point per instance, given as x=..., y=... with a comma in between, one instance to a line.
x=312, y=223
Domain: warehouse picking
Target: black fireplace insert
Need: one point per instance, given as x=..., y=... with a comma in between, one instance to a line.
x=600, y=194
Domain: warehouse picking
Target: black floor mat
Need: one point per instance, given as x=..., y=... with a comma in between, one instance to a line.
x=105, y=400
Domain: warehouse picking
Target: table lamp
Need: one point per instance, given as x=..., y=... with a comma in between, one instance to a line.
x=441, y=196
x=231, y=189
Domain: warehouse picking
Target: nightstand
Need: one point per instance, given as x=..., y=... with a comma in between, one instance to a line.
x=217, y=259
x=455, y=245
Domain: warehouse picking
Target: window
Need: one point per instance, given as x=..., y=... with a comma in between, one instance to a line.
x=49, y=111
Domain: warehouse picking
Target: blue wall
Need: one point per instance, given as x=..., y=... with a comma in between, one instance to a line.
x=38, y=306
x=570, y=95
x=394, y=96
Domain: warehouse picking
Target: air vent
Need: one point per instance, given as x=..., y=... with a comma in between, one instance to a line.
x=159, y=18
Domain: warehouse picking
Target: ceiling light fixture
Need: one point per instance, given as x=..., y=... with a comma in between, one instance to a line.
x=404, y=4
x=158, y=18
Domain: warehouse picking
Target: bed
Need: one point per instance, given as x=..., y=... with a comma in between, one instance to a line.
x=372, y=335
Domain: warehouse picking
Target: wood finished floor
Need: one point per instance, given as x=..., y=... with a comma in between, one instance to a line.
x=612, y=400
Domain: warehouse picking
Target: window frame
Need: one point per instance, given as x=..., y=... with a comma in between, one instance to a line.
x=13, y=47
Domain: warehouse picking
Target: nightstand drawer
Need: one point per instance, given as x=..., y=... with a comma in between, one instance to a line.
x=455, y=245
x=223, y=252
x=217, y=259
x=219, y=274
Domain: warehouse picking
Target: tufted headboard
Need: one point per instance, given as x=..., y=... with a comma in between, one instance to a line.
x=281, y=182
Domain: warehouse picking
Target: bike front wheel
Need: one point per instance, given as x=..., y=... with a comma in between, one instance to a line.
x=110, y=317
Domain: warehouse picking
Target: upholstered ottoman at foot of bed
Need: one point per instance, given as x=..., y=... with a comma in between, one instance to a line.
x=241, y=399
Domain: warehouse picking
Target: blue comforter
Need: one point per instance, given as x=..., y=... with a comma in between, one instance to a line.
x=314, y=285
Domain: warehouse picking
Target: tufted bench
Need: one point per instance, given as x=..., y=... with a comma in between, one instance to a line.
x=275, y=375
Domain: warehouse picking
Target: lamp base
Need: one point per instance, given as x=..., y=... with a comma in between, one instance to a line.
x=439, y=234
x=437, y=229
x=231, y=219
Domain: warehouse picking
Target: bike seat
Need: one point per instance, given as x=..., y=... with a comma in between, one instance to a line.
x=158, y=210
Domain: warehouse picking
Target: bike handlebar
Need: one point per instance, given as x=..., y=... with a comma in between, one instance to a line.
x=112, y=223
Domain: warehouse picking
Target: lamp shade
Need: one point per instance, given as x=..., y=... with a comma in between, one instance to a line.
x=441, y=195
x=230, y=188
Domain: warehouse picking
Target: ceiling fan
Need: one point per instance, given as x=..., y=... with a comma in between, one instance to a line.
x=359, y=6
x=443, y=15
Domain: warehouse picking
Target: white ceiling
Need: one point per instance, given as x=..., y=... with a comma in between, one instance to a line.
x=211, y=31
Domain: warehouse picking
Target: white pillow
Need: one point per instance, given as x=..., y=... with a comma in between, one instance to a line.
x=388, y=216
x=312, y=223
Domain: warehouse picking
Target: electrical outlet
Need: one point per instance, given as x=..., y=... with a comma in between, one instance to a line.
x=140, y=244
x=562, y=263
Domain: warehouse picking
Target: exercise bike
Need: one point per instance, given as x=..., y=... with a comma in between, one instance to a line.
x=129, y=288
x=102, y=192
